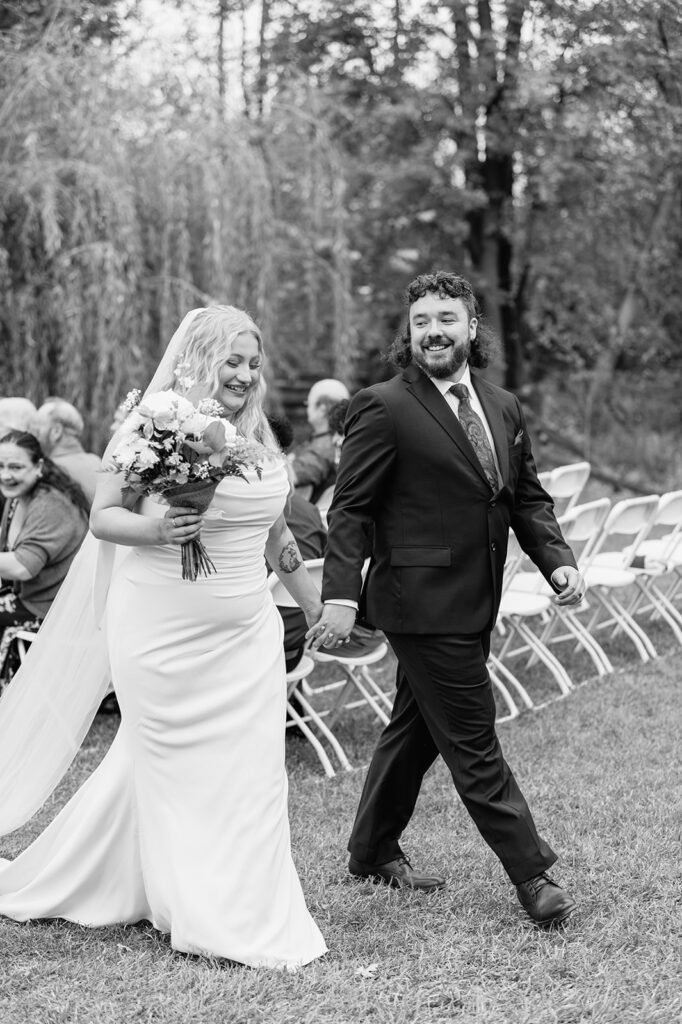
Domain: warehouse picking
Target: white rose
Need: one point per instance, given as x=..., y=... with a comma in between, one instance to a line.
x=195, y=424
x=158, y=402
x=165, y=407
x=184, y=407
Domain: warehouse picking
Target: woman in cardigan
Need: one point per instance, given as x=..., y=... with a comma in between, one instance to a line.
x=44, y=520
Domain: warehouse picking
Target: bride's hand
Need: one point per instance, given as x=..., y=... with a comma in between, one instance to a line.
x=313, y=613
x=179, y=525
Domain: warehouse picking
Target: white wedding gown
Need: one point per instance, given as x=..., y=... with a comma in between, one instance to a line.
x=185, y=822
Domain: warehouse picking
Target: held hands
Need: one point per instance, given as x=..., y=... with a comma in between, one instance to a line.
x=179, y=525
x=333, y=628
x=570, y=584
x=312, y=613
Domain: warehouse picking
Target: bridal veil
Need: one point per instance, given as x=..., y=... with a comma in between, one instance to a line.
x=47, y=710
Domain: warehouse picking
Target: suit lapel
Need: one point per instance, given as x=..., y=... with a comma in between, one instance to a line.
x=419, y=385
x=493, y=414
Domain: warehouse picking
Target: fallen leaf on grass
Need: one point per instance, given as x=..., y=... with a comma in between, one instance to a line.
x=367, y=972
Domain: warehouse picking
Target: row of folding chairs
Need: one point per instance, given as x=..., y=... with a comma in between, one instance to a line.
x=631, y=555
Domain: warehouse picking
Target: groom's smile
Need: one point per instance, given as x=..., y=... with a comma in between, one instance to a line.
x=440, y=334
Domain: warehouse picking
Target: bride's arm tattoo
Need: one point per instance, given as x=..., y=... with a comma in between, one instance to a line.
x=289, y=558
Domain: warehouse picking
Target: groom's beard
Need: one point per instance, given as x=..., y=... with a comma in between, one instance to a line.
x=442, y=365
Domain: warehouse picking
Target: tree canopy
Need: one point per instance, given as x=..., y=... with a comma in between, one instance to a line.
x=306, y=160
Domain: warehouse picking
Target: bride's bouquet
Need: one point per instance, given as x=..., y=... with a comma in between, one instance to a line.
x=172, y=448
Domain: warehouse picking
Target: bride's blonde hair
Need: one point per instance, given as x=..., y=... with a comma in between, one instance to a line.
x=209, y=342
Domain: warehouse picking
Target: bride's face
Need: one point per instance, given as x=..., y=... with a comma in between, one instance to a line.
x=239, y=373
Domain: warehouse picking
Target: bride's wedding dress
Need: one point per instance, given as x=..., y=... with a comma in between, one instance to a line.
x=185, y=822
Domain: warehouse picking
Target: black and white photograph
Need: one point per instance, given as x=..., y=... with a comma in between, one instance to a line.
x=340, y=511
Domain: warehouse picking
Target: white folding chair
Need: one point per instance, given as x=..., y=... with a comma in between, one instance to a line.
x=516, y=608
x=669, y=547
x=358, y=678
x=566, y=484
x=296, y=699
x=22, y=639
x=500, y=676
x=581, y=527
x=606, y=566
x=296, y=688
x=654, y=558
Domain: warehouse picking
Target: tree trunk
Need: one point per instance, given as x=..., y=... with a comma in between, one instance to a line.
x=221, y=57
x=395, y=44
x=243, y=60
x=485, y=88
x=262, y=80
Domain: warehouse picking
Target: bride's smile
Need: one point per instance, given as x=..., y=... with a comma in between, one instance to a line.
x=239, y=373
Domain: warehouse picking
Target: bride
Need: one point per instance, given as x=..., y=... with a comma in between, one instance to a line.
x=184, y=823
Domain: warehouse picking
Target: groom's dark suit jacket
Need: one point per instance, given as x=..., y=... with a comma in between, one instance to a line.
x=409, y=478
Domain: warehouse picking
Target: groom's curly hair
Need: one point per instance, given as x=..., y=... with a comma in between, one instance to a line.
x=445, y=285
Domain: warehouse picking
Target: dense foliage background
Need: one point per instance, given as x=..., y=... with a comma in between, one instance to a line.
x=306, y=158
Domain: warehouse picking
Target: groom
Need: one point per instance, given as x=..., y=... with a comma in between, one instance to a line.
x=437, y=464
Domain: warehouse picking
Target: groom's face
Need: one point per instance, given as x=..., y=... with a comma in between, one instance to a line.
x=441, y=332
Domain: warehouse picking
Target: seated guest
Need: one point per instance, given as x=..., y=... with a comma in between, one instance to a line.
x=58, y=427
x=314, y=462
x=337, y=418
x=16, y=414
x=305, y=522
x=44, y=521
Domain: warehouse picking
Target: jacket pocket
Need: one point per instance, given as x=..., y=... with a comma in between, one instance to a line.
x=425, y=556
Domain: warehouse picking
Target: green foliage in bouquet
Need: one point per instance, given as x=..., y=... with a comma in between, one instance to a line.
x=169, y=447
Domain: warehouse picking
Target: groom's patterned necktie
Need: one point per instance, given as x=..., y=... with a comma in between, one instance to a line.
x=475, y=432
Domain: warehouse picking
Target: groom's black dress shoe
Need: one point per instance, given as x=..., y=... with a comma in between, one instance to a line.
x=397, y=873
x=545, y=901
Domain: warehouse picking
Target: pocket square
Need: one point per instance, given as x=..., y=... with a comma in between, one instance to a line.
x=518, y=438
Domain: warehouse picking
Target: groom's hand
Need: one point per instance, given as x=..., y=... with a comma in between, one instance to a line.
x=333, y=628
x=570, y=585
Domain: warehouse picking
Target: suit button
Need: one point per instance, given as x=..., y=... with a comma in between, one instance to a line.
x=493, y=546
x=492, y=504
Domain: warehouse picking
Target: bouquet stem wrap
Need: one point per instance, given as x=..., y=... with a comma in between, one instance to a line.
x=197, y=495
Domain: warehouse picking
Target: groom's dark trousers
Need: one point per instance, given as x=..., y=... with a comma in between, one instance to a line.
x=409, y=477
x=444, y=704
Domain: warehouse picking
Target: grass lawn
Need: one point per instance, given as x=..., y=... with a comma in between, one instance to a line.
x=601, y=773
